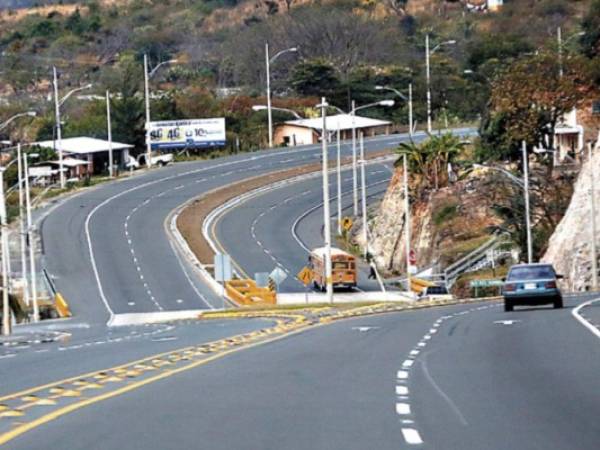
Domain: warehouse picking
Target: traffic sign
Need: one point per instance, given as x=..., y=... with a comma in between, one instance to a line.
x=306, y=275
x=412, y=257
x=278, y=275
x=347, y=223
x=485, y=283
x=223, y=269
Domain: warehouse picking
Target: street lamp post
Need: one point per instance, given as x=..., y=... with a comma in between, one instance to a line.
x=268, y=61
x=109, y=132
x=409, y=100
x=339, y=182
x=527, y=212
x=326, y=214
x=22, y=227
x=57, y=104
x=593, y=213
x=524, y=184
x=406, y=221
x=147, y=76
x=363, y=189
x=6, y=324
x=354, y=158
x=561, y=46
x=36, y=313
x=428, y=74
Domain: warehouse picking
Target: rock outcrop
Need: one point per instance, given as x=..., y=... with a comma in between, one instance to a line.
x=444, y=224
x=569, y=249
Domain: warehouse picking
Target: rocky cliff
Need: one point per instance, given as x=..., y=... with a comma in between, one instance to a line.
x=569, y=249
x=445, y=224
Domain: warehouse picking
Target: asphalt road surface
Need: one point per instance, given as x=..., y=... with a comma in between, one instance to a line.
x=107, y=249
x=461, y=377
x=279, y=227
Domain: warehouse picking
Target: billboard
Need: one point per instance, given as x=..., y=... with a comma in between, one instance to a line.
x=193, y=133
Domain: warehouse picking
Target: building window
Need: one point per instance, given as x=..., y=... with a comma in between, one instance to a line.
x=596, y=107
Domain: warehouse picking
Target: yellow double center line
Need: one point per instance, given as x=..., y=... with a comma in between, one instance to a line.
x=19, y=404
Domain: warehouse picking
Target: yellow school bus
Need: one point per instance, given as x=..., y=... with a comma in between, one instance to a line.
x=343, y=267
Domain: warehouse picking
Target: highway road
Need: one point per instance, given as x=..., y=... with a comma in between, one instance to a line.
x=278, y=227
x=108, y=250
x=460, y=377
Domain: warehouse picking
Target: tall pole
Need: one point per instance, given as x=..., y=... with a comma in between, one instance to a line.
x=406, y=219
x=326, y=213
x=36, y=312
x=527, y=211
x=428, y=76
x=339, y=183
x=410, y=110
x=354, y=168
x=5, y=299
x=593, y=211
x=560, y=51
x=58, y=130
x=269, y=111
x=147, y=96
x=109, y=130
x=22, y=228
x=363, y=178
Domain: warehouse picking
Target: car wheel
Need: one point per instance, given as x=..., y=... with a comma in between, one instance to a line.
x=508, y=306
x=558, y=303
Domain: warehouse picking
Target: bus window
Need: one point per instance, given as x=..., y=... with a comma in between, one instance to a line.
x=338, y=265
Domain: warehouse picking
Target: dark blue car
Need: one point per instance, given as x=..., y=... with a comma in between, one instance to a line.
x=531, y=284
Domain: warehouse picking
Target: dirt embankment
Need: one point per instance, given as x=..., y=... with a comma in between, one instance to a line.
x=192, y=217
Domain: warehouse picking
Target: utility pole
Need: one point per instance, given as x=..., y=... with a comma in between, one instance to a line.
x=109, y=130
x=58, y=130
x=147, y=96
x=269, y=112
x=326, y=213
x=22, y=227
x=410, y=110
x=354, y=169
x=406, y=220
x=560, y=52
x=339, y=183
x=6, y=315
x=428, y=76
x=36, y=312
x=363, y=177
x=593, y=212
x=527, y=209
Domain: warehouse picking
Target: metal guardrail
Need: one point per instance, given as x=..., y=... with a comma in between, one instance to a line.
x=452, y=272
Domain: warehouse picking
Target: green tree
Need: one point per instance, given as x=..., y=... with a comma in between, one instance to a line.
x=590, y=41
x=429, y=160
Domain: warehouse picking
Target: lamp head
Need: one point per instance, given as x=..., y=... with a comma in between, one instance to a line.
x=259, y=108
x=379, y=88
x=387, y=102
x=452, y=42
x=31, y=113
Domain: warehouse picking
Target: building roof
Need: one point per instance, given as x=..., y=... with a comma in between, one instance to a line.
x=71, y=162
x=83, y=145
x=344, y=121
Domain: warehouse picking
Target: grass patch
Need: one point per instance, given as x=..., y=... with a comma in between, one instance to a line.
x=445, y=214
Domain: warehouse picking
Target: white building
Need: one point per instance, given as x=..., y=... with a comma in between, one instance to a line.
x=308, y=131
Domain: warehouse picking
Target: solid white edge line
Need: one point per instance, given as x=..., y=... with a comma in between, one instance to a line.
x=411, y=436
x=582, y=320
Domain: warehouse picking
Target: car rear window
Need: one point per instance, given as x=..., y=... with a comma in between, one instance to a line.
x=531, y=273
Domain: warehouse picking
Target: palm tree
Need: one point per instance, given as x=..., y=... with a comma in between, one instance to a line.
x=429, y=159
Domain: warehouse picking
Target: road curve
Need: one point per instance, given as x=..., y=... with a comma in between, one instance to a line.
x=109, y=253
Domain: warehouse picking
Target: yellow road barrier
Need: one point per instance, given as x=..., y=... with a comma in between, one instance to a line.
x=246, y=292
x=62, y=306
x=418, y=285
